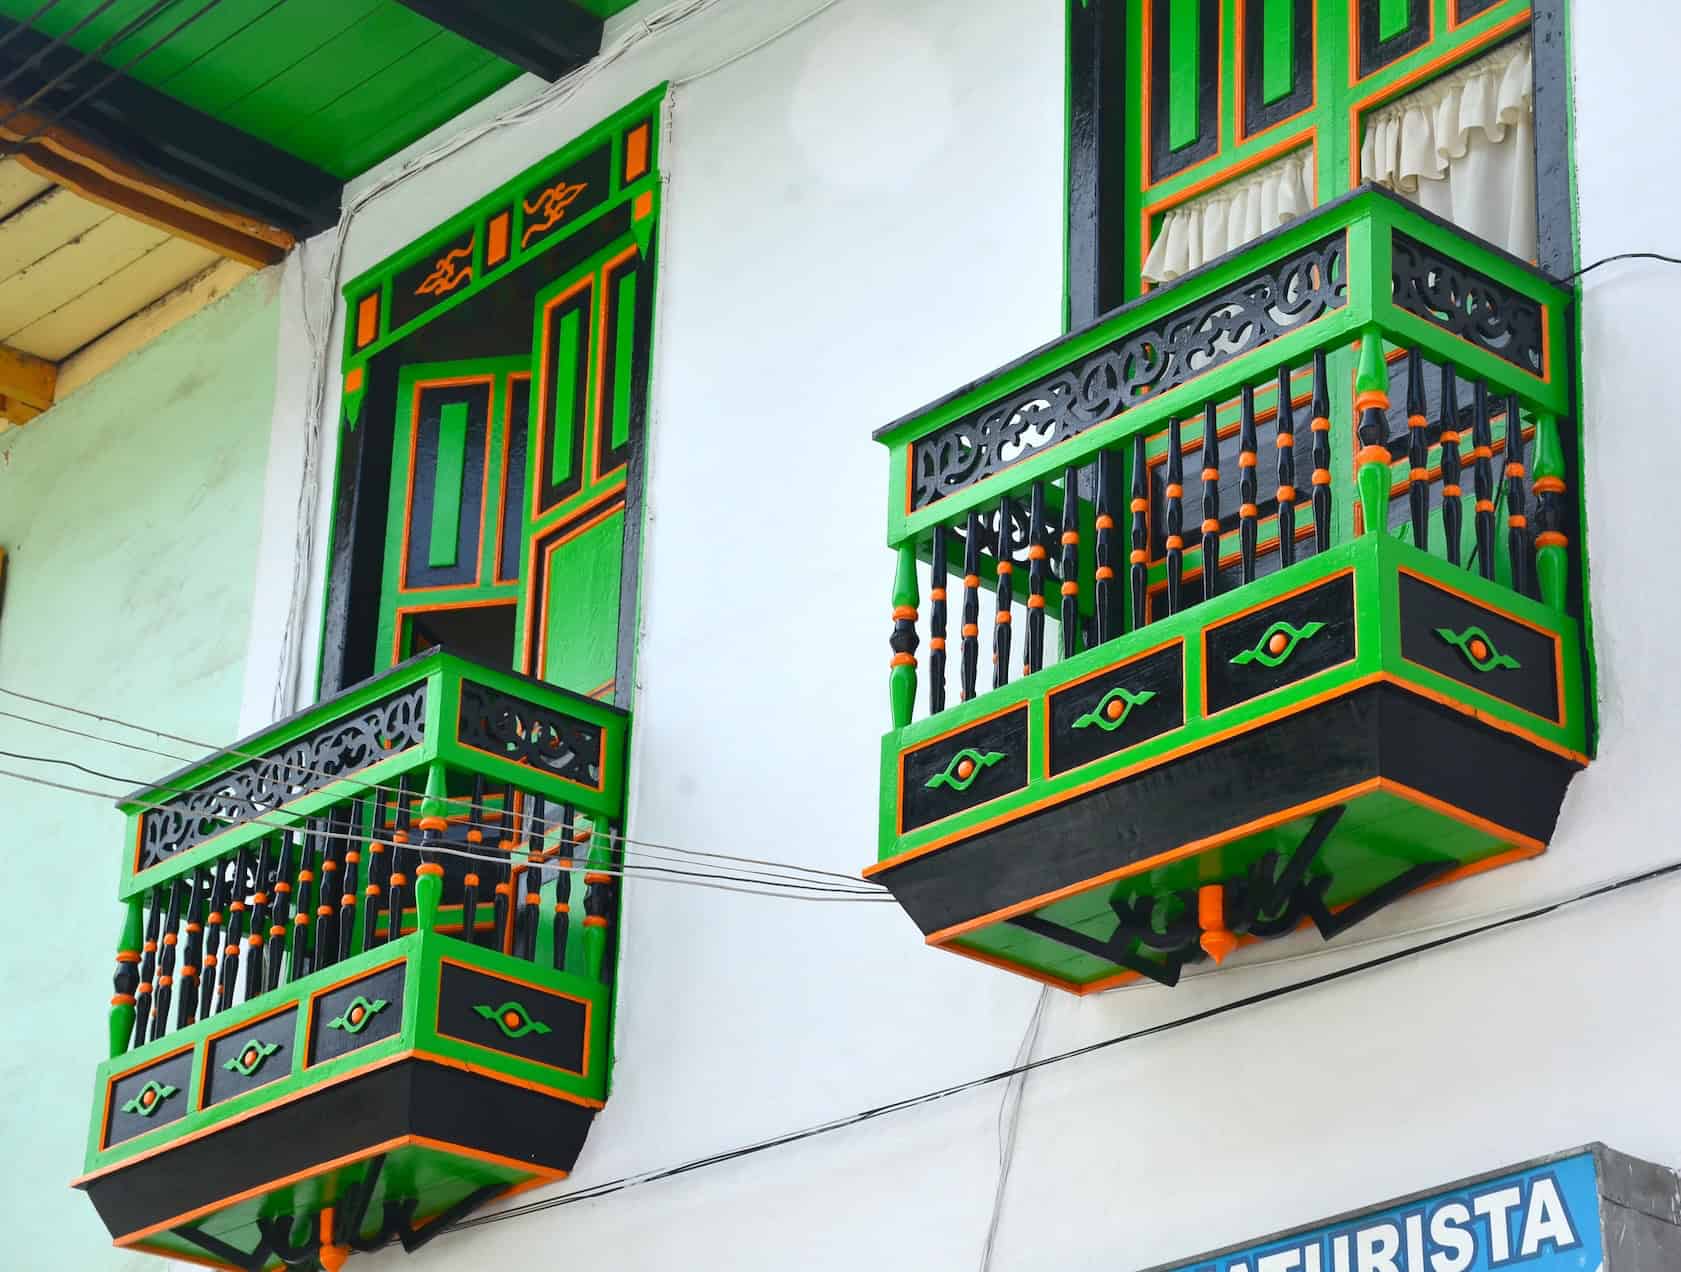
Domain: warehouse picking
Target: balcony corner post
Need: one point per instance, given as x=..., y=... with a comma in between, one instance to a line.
x=1552, y=559
x=1371, y=408
x=127, y=979
x=902, y=677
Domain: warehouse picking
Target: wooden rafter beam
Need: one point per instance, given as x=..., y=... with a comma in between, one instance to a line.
x=127, y=141
x=28, y=385
x=550, y=38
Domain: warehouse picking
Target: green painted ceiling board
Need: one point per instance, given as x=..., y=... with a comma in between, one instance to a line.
x=342, y=84
x=604, y=8
x=352, y=134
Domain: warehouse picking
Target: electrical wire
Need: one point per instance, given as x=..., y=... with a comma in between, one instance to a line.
x=625, y=1182
x=1009, y=1119
x=56, y=42
x=41, y=129
x=297, y=768
x=1620, y=256
x=27, y=24
x=93, y=55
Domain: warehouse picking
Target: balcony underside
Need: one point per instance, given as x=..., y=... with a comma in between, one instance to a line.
x=1416, y=783
x=1319, y=744
x=445, y=1137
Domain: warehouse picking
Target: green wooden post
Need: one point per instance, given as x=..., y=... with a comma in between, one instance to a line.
x=901, y=680
x=1371, y=408
x=126, y=980
x=429, y=878
x=1552, y=561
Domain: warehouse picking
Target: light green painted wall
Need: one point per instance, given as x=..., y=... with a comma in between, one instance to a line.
x=129, y=514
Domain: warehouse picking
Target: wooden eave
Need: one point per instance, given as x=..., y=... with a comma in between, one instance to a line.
x=549, y=38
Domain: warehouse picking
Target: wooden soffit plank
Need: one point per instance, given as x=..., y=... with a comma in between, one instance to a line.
x=550, y=38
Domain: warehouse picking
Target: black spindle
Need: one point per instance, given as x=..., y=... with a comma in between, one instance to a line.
x=563, y=885
x=260, y=884
x=1482, y=438
x=274, y=952
x=1006, y=598
x=166, y=961
x=1248, y=487
x=1138, y=563
x=218, y=899
x=327, y=892
x=1210, y=501
x=533, y=875
x=937, y=620
x=235, y=946
x=971, y=604
x=1453, y=507
x=1103, y=595
x=1418, y=452
x=186, y=1002
x=148, y=969
x=399, y=880
x=1517, y=523
x=1286, y=470
x=346, y=927
x=1038, y=569
x=1070, y=562
x=1175, y=517
x=1321, y=455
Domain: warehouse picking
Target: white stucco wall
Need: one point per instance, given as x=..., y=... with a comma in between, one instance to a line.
x=863, y=214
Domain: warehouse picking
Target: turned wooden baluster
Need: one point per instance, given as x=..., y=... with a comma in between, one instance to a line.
x=1371, y=410
x=328, y=891
x=1103, y=594
x=1070, y=562
x=1038, y=569
x=127, y=978
x=1517, y=532
x=1210, y=501
x=312, y=848
x=260, y=884
x=186, y=1002
x=1175, y=517
x=235, y=947
x=1482, y=439
x=166, y=961
x=210, y=962
x=1005, y=599
x=901, y=676
x=529, y=914
x=470, y=880
x=1138, y=560
x=399, y=880
x=937, y=622
x=971, y=605
x=346, y=925
x=569, y=831
x=1248, y=487
x=504, y=888
x=1321, y=456
x=1418, y=452
x=148, y=968
x=1286, y=470
x=274, y=952
x=598, y=903
x=1552, y=561
x=379, y=867
x=1453, y=509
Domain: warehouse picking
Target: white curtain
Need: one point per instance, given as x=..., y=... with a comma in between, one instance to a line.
x=1463, y=147
x=1231, y=215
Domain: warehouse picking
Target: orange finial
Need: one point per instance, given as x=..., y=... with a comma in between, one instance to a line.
x=333, y=1257
x=1211, y=914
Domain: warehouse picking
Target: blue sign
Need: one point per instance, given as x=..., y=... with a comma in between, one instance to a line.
x=1545, y=1219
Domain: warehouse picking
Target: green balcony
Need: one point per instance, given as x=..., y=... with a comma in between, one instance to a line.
x=1254, y=605
x=366, y=979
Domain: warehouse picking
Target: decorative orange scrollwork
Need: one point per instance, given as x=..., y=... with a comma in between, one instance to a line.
x=448, y=274
x=551, y=206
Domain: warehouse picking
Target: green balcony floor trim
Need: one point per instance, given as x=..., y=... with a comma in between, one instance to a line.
x=420, y=954
x=436, y=1178
x=1381, y=835
x=1376, y=562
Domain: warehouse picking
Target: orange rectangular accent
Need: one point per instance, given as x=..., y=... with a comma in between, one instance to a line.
x=367, y=320
x=496, y=241
x=353, y=380
x=644, y=205
x=636, y=153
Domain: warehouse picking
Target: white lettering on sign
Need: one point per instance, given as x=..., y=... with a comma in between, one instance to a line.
x=1468, y=1233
